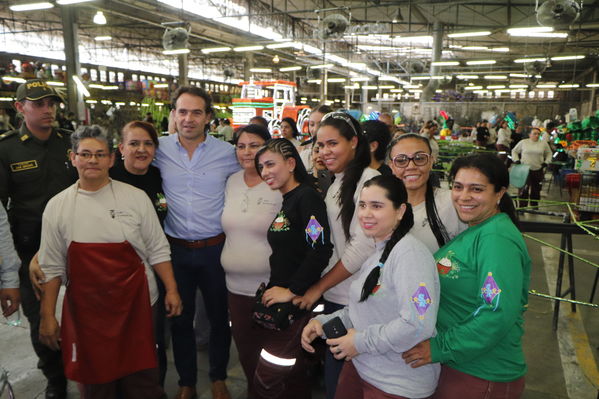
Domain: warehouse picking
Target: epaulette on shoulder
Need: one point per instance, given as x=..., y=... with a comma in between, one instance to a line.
x=8, y=134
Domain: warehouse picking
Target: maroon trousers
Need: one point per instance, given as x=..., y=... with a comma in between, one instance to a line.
x=352, y=386
x=454, y=384
x=248, y=336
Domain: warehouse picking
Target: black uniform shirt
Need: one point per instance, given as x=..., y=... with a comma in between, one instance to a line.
x=32, y=171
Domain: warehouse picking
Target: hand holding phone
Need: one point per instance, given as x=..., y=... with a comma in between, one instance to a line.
x=334, y=328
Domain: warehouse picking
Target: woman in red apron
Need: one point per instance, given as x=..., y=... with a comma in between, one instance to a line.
x=99, y=236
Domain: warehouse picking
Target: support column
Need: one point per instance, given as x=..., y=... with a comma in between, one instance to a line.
x=249, y=63
x=183, y=70
x=364, y=102
x=429, y=90
x=74, y=98
x=348, y=95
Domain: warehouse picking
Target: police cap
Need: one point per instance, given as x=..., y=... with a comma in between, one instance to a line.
x=36, y=89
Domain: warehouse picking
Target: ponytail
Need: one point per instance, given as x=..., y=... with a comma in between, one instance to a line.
x=432, y=215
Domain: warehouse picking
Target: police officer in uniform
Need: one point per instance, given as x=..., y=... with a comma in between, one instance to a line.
x=34, y=166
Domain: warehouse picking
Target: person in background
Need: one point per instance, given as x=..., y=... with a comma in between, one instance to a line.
x=194, y=168
x=484, y=274
x=259, y=120
x=110, y=231
x=504, y=138
x=379, y=136
x=250, y=207
x=289, y=131
x=393, y=303
x=227, y=130
x=299, y=237
x=34, y=167
x=313, y=121
x=430, y=133
x=344, y=148
x=537, y=155
x=435, y=219
x=482, y=133
x=214, y=126
x=387, y=119
x=10, y=298
x=320, y=175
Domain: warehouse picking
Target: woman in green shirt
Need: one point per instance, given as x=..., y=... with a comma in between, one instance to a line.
x=484, y=274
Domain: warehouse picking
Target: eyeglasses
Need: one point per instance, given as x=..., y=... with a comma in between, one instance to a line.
x=419, y=159
x=89, y=155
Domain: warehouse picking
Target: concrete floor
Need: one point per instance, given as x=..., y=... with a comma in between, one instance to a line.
x=557, y=361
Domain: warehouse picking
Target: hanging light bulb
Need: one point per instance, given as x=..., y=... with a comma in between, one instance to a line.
x=99, y=18
x=275, y=59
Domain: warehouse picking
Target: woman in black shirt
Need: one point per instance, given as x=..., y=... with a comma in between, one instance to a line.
x=299, y=238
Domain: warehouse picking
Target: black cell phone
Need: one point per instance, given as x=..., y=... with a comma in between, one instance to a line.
x=334, y=328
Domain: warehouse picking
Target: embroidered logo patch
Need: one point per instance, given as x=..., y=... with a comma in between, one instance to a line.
x=448, y=267
x=421, y=300
x=160, y=202
x=281, y=223
x=314, y=230
x=490, y=289
x=25, y=165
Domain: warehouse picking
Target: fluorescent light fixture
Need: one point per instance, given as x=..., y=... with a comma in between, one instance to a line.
x=569, y=86
x=546, y=86
x=317, y=81
x=413, y=39
x=248, y=48
x=91, y=101
x=321, y=66
x=500, y=49
x=396, y=90
x=161, y=86
x=13, y=79
x=304, y=98
x=525, y=60
x=518, y=86
x=67, y=2
x=176, y=51
x=420, y=77
x=265, y=70
x=359, y=79
x=81, y=86
x=102, y=38
x=593, y=85
x=99, y=18
x=279, y=361
x=351, y=87
x=519, y=75
x=567, y=57
x=473, y=88
x=370, y=87
x=466, y=77
x=524, y=31
x=290, y=69
x=551, y=35
x=481, y=62
x=95, y=86
x=274, y=46
x=412, y=86
x=159, y=104
x=496, y=87
x=415, y=90
x=386, y=87
x=445, y=63
x=31, y=6
x=440, y=77
x=336, y=80
x=474, y=48
x=54, y=83
x=112, y=87
x=469, y=34
x=215, y=50
x=495, y=77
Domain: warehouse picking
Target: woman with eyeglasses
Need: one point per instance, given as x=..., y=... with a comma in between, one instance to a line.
x=345, y=151
x=392, y=304
x=301, y=247
x=435, y=219
x=484, y=274
x=104, y=238
x=250, y=207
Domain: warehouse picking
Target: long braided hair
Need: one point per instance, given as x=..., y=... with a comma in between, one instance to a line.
x=432, y=215
x=396, y=192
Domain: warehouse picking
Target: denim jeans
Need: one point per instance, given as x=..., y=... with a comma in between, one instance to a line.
x=200, y=268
